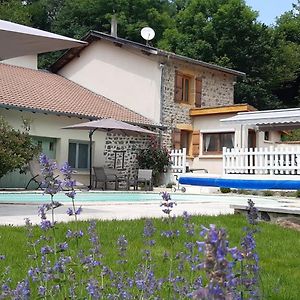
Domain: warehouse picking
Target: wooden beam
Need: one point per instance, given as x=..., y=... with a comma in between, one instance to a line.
x=221, y=110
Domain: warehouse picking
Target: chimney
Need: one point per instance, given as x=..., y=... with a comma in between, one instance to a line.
x=114, y=26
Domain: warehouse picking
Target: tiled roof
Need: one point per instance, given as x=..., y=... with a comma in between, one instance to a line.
x=47, y=92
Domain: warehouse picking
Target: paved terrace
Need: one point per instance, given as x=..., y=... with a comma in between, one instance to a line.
x=14, y=214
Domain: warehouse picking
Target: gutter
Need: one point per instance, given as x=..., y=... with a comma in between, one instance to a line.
x=69, y=115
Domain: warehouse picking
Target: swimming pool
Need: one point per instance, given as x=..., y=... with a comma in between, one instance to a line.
x=90, y=197
x=124, y=197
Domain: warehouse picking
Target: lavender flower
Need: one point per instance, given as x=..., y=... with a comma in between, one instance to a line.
x=42, y=291
x=167, y=203
x=93, y=289
x=190, y=228
x=63, y=246
x=122, y=244
x=51, y=183
x=22, y=290
x=219, y=270
x=149, y=231
x=252, y=214
x=249, y=279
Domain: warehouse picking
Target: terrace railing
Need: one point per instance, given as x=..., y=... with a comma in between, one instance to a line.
x=178, y=159
x=262, y=161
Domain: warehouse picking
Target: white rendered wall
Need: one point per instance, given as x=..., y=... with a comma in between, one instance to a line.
x=210, y=124
x=51, y=126
x=28, y=61
x=129, y=78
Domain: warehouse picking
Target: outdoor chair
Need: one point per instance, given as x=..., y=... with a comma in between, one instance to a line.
x=36, y=173
x=105, y=175
x=144, y=176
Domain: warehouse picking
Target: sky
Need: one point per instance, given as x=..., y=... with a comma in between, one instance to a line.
x=270, y=9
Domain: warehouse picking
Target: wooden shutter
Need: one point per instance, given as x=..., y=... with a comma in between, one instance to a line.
x=178, y=87
x=196, y=142
x=176, y=138
x=198, y=94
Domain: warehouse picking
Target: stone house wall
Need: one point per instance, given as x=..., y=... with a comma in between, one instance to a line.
x=131, y=145
x=217, y=90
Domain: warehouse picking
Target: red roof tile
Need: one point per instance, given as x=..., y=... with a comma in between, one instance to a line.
x=43, y=91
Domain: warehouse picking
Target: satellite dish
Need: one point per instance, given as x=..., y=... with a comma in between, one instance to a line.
x=147, y=34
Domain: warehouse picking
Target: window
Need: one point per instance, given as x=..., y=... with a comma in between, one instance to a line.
x=188, y=89
x=213, y=143
x=79, y=153
x=266, y=135
x=186, y=139
x=185, y=88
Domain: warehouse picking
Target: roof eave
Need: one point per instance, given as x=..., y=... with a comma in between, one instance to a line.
x=92, y=35
x=66, y=114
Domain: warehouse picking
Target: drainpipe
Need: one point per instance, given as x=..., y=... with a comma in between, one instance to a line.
x=162, y=67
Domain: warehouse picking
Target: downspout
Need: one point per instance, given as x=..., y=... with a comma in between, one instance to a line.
x=162, y=67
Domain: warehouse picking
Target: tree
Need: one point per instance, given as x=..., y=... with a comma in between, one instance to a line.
x=285, y=81
x=14, y=11
x=226, y=32
x=16, y=148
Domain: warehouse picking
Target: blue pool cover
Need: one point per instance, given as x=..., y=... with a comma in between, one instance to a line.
x=247, y=184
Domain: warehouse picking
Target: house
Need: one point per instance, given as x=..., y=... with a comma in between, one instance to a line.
x=48, y=102
x=187, y=97
x=113, y=77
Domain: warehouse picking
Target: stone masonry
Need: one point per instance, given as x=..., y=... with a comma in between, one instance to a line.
x=131, y=145
x=217, y=90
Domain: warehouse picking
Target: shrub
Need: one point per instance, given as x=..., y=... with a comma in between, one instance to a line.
x=268, y=193
x=298, y=194
x=16, y=148
x=155, y=158
x=225, y=190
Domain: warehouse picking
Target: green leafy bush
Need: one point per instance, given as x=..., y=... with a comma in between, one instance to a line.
x=225, y=190
x=16, y=148
x=155, y=158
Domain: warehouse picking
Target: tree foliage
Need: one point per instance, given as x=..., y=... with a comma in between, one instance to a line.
x=225, y=32
x=16, y=148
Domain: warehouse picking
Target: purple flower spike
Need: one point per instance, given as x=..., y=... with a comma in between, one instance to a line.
x=63, y=246
x=70, y=212
x=78, y=211
x=46, y=225
x=42, y=291
x=167, y=204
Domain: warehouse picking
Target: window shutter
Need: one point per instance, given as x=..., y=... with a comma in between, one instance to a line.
x=196, y=142
x=176, y=138
x=198, y=96
x=178, y=87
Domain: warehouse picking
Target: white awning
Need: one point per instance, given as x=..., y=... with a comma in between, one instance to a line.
x=19, y=40
x=279, y=118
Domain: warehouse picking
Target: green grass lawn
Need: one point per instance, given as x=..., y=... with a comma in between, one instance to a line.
x=278, y=249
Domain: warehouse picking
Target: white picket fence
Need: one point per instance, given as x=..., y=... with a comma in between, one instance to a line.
x=262, y=161
x=178, y=159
